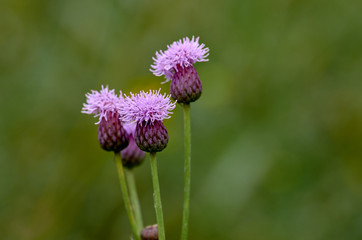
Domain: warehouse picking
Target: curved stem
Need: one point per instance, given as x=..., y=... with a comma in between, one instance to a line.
x=127, y=203
x=187, y=170
x=134, y=199
x=157, y=197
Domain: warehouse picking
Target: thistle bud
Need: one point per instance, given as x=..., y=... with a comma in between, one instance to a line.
x=150, y=233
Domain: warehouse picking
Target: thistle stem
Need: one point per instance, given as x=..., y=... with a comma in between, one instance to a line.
x=134, y=199
x=157, y=197
x=127, y=203
x=187, y=170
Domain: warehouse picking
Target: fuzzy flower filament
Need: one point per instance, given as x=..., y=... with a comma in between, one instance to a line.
x=184, y=52
x=147, y=107
x=102, y=103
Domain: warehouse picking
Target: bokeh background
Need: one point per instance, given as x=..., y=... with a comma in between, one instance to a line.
x=277, y=133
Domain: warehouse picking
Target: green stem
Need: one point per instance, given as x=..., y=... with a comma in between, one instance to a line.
x=134, y=199
x=187, y=170
x=127, y=203
x=157, y=197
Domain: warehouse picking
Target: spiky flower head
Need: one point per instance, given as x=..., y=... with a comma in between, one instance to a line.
x=148, y=110
x=182, y=53
x=106, y=105
x=103, y=103
x=147, y=107
x=132, y=155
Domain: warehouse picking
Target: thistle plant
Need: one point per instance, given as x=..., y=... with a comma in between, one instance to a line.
x=148, y=110
x=132, y=125
x=176, y=64
x=112, y=137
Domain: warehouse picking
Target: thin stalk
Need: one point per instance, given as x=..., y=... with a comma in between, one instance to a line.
x=187, y=170
x=134, y=199
x=127, y=203
x=157, y=197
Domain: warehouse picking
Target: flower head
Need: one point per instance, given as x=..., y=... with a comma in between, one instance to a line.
x=103, y=103
x=182, y=53
x=147, y=107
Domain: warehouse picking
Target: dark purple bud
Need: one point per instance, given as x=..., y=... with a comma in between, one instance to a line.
x=132, y=155
x=151, y=137
x=111, y=134
x=185, y=85
x=150, y=233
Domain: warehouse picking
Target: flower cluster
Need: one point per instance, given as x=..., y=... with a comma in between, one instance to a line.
x=130, y=125
x=182, y=53
x=123, y=121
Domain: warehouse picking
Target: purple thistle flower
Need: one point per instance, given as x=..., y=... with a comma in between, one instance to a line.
x=107, y=106
x=132, y=155
x=148, y=111
x=147, y=107
x=102, y=103
x=176, y=63
x=182, y=53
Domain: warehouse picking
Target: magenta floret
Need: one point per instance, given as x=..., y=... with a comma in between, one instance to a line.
x=147, y=107
x=182, y=53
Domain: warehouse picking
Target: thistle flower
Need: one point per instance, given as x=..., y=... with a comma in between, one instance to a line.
x=150, y=233
x=176, y=64
x=132, y=155
x=102, y=102
x=148, y=111
x=106, y=105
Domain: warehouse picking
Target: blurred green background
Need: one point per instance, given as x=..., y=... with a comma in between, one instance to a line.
x=277, y=133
